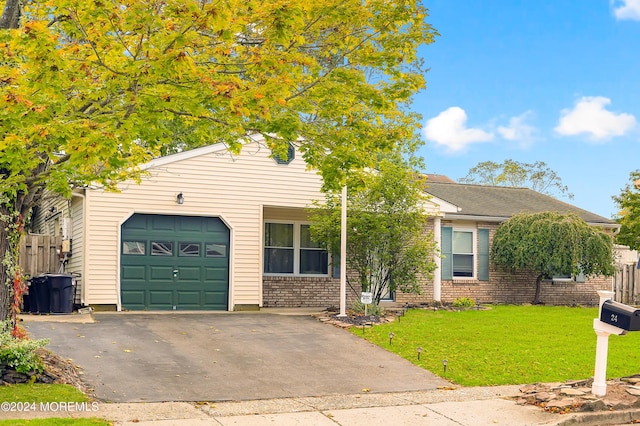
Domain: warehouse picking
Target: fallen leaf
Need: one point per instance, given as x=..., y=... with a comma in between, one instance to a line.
x=366, y=390
x=127, y=350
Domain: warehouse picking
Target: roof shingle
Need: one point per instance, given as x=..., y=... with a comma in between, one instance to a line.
x=504, y=202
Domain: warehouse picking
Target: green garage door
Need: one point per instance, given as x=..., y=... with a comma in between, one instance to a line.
x=174, y=262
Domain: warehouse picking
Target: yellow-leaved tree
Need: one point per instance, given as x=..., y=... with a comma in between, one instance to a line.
x=92, y=88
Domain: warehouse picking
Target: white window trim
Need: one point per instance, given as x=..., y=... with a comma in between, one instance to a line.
x=474, y=245
x=296, y=251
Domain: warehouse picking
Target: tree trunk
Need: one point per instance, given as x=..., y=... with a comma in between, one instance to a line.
x=11, y=221
x=5, y=290
x=536, y=299
x=10, y=15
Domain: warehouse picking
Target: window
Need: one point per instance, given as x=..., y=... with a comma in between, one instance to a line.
x=189, y=249
x=465, y=253
x=215, y=250
x=289, y=249
x=313, y=259
x=133, y=247
x=161, y=248
x=291, y=155
x=567, y=277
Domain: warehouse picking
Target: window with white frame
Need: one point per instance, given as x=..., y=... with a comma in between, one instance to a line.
x=463, y=253
x=289, y=249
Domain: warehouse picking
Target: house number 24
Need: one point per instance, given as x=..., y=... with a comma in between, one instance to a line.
x=614, y=318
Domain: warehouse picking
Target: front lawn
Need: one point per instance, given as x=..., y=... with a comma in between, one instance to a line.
x=506, y=344
x=40, y=395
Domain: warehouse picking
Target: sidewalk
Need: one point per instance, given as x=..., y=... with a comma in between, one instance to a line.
x=482, y=406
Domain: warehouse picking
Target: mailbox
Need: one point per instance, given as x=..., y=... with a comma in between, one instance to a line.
x=620, y=315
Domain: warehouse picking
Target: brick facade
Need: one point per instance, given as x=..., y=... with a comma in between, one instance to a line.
x=297, y=292
x=504, y=286
x=518, y=288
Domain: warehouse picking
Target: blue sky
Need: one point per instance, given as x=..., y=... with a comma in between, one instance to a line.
x=547, y=80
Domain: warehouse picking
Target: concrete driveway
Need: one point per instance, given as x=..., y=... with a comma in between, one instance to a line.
x=133, y=357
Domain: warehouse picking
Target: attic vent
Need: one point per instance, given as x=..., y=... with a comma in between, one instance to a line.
x=291, y=155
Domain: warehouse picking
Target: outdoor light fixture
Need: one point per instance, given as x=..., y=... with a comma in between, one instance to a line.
x=180, y=198
x=444, y=364
x=391, y=337
x=419, y=351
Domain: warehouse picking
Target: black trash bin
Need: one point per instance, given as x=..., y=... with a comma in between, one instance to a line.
x=39, y=295
x=61, y=293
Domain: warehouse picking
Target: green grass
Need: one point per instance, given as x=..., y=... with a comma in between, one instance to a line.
x=506, y=344
x=41, y=393
x=56, y=422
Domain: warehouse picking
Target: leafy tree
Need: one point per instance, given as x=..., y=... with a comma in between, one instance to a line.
x=537, y=176
x=91, y=89
x=629, y=215
x=388, y=247
x=552, y=243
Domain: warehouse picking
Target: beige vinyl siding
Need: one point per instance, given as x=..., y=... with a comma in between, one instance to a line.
x=234, y=188
x=77, y=244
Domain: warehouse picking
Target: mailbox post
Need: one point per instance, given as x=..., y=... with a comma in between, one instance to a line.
x=603, y=331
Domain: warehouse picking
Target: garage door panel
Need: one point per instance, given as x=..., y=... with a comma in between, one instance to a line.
x=216, y=274
x=161, y=223
x=132, y=272
x=197, y=247
x=192, y=298
x=134, y=299
x=160, y=273
x=216, y=225
x=215, y=298
x=159, y=297
x=190, y=224
x=189, y=273
x=138, y=222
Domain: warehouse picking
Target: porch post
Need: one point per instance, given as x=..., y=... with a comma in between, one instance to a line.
x=437, y=276
x=343, y=255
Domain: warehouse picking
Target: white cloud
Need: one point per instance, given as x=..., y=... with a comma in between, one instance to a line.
x=518, y=130
x=626, y=9
x=449, y=128
x=590, y=116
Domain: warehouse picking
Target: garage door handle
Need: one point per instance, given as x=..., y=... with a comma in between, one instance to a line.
x=175, y=273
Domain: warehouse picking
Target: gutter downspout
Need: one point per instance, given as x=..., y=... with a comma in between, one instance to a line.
x=437, y=276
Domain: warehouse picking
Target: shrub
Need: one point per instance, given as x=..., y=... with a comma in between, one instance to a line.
x=20, y=353
x=463, y=302
x=372, y=309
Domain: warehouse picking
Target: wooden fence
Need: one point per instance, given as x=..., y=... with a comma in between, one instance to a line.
x=39, y=254
x=626, y=285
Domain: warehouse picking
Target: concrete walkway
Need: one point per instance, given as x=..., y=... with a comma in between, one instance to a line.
x=488, y=406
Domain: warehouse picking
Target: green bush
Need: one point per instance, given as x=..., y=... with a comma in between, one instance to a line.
x=464, y=302
x=20, y=353
x=372, y=309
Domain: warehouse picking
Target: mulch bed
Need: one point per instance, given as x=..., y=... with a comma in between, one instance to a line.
x=56, y=370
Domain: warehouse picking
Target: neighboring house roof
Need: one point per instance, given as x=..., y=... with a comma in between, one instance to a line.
x=439, y=178
x=497, y=203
